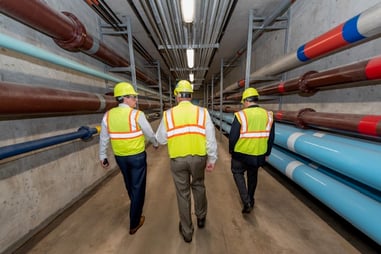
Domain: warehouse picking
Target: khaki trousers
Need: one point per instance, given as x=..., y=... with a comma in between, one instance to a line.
x=188, y=174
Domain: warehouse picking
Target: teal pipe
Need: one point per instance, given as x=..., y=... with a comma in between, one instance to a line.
x=30, y=50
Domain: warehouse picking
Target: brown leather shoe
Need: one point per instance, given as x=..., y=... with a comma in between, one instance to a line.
x=141, y=222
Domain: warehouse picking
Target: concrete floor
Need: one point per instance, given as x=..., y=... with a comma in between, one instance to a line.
x=279, y=223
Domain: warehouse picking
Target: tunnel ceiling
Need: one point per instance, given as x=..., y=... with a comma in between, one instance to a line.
x=218, y=32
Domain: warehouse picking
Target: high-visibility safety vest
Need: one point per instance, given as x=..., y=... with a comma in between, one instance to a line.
x=125, y=134
x=256, y=124
x=185, y=125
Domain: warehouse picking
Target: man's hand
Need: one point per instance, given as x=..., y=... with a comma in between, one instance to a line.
x=209, y=167
x=105, y=163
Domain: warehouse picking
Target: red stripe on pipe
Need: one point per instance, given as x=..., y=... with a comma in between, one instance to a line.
x=281, y=87
x=325, y=43
x=279, y=115
x=368, y=125
x=241, y=83
x=373, y=68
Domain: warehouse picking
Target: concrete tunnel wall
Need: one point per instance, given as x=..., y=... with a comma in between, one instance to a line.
x=35, y=187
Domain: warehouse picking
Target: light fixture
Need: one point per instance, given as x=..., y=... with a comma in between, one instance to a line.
x=187, y=10
x=190, y=57
x=191, y=77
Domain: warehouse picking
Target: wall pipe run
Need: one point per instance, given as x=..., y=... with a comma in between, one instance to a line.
x=71, y=35
x=360, y=210
x=363, y=124
x=35, y=52
x=366, y=25
x=352, y=161
x=312, y=81
x=46, y=101
x=364, y=189
x=84, y=132
x=357, y=203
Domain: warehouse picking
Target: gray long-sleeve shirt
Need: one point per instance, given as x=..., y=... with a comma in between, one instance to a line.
x=104, y=137
x=211, y=143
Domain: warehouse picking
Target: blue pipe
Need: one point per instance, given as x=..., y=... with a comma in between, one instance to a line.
x=360, y=210
x=355, y=162
x=364, y=189
x=367, y=144
x=83, y=132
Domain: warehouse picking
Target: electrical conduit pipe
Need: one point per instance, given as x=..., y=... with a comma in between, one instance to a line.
x=360, y=210
x=83, y=132
x=360, y=27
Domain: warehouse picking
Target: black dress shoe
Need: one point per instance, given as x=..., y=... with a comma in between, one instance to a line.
x=246, y=208
x=186, y=239
x=141, y=222
x=201, y=222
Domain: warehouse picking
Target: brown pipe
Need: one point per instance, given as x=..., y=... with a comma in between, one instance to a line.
x=363, y=124
x=312, y=81
x=66, y=30
x=22, y=100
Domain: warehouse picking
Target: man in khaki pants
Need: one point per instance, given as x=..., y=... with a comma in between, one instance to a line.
x=192, y=148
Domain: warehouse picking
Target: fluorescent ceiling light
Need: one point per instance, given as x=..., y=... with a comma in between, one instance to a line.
x=187, y=10
x=190, y=57
x=191, y=77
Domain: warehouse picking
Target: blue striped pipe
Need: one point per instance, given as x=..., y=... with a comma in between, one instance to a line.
x=366, y=144
x=364, y=189
x=360, y=210
x=355, y=162
x=83, y=132
x=358, y=28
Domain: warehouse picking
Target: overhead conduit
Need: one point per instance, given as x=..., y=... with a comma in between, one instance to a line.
x=71, y=35
x=342, y=176
x=366, y=25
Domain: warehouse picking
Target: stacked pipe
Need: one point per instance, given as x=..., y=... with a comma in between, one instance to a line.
x=311, y=81
x=364, y=26
x=22, y=100
x=71, y=35
x=325, y=166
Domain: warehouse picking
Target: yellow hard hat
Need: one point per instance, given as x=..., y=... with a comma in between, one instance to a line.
x=124, y=88
x=183, y=86
x=249, y=92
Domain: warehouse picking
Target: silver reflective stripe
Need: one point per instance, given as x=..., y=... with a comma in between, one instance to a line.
x=186, y=129
x=169, y=119
x=126, y=135
x=201, y=116
x=243, y=121
x=132, y=120
x=255, y=134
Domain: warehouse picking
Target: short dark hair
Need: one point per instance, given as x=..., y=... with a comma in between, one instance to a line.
x=252, y=99
x=185, y=95
x=119, y=99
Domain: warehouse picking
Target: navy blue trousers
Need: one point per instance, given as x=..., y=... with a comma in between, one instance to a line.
x=134, y=170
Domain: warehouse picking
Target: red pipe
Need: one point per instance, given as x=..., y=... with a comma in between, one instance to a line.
x=312, y=81
x=22, y=100
x=363, y=124
x=66, y=30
